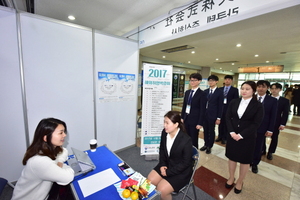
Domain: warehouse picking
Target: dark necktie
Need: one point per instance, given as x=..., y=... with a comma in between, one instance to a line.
x=259, y=99
x=210, y=93
x=190, y=97
x=225, y=91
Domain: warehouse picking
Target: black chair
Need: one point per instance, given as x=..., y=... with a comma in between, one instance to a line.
x=186, y=188
x=3, y=183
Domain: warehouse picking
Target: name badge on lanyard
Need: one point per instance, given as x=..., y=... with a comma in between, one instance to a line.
x=187, y=109
x=225, y=100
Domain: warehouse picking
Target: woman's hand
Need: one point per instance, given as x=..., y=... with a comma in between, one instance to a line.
x=163, y=170
x=235, y=136
x=60, y=164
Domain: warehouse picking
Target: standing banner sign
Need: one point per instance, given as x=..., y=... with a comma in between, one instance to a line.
x=157, y=101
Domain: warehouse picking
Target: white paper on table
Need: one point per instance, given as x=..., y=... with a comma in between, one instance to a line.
x=99, y=181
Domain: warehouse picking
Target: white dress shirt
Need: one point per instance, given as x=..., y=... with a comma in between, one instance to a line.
x=170, y=141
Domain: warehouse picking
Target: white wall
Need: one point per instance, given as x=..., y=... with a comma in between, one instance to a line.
x=12, y=131
x=116, y=121
x=58, y=63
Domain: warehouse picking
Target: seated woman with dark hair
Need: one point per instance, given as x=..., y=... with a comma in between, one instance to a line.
x=44, y=162
x=175, y=165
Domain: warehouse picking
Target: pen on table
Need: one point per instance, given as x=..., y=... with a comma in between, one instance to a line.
x=122, y=171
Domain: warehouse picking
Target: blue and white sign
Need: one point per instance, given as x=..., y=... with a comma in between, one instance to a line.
x=157, y=101
x=116, y=86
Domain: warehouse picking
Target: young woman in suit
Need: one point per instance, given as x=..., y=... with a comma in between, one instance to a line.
x=175, y=165
x=243, y=118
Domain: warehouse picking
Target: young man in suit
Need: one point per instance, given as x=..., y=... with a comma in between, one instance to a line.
x=191, y=108
x=229, y=93
x=213, y=112
x=283, y=107
x=266, y=128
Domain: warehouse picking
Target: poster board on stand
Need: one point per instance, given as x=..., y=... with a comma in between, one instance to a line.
x=157, y=101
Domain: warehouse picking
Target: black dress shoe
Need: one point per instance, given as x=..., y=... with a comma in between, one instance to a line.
x=270, y=156
x=208, y=150
x=263, y=153
x=218, y=140
x=237, y=191
x=203, y=148
x=254, y=169
x=224, y=142
x=229, y=186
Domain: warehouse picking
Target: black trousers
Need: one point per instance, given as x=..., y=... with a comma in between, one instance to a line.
x=274, y=141
x=192, y=132
x=209, y=132
x=223, y=129
x=260, y=140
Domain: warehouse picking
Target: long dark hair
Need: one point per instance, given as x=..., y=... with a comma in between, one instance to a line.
x=174, y=116
x=252, y=85
x=38, y=146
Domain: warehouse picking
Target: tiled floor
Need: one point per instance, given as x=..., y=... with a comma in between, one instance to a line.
x=277, y=179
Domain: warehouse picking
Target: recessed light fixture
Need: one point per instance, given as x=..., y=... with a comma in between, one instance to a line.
x=217, y=58
x=164, y=56
x=193, y=51
x=189, y=61
x=71, y=17
x=232, y=63
x=267, y=61
x=220, y=67
x=238, y=45
x=256, y=55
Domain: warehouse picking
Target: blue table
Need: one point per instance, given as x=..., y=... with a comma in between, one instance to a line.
x=104, y=159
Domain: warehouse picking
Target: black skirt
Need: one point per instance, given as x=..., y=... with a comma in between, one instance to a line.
x=240, y=151
x=177, y=182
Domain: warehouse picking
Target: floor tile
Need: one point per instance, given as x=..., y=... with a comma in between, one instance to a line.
x=211, y=183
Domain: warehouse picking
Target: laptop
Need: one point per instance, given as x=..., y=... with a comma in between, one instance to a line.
x=81, y=163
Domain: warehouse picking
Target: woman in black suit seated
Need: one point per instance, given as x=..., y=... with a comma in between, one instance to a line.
x=243, y=117
x=175, y=165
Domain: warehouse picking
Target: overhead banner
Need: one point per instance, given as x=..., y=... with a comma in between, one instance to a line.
x=204, y=15
x=157, y=101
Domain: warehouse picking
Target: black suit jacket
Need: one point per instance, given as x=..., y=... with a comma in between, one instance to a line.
x=233, y=93
x=195, y=116
x=215, y=104
x=270, y=110
x=283, y=108
x=249, y=122
x=180, y=161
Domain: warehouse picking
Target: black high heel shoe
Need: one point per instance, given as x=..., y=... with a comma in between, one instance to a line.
x=237, y=191
x=229, y=186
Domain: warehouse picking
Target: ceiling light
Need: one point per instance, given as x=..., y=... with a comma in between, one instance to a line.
x=189, y=61
x=232, y=63
x=256, y=55
x=71, y=17
x=164, y=56
x=193, y=51
x=217, y=58
x=267, y=61
x=220, y=67
x=238, y=45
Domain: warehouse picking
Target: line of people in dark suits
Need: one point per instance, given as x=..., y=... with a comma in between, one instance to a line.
x=244, y=123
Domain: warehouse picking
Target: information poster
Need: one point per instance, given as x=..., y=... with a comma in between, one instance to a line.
x=157, y=101
x=116, y=87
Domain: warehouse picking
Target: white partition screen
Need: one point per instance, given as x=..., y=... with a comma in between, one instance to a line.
x=116, y=75
x=12, y=131
x=58, y=68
